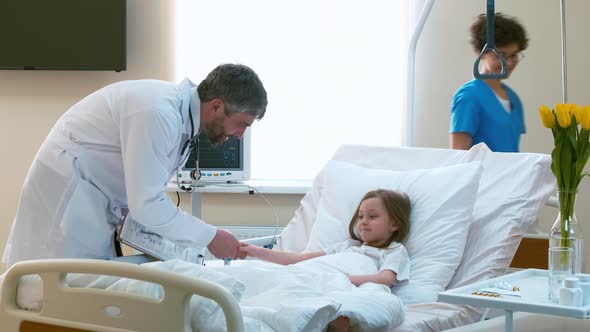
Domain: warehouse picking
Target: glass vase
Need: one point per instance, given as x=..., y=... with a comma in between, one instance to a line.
x=567, y=233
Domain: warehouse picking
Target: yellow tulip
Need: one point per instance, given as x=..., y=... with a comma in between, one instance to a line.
x=576, y=110
x=585, y=117
x=547, y=116
x=564, y=116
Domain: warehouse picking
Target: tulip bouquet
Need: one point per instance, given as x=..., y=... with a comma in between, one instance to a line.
x=570, y=126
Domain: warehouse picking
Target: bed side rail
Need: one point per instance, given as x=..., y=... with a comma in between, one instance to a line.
x=104, y=310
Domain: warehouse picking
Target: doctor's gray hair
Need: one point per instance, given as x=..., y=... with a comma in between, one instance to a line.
x=397, y=205
x=238, y=87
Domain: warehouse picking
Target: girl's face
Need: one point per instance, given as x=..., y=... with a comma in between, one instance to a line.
x=373, y=223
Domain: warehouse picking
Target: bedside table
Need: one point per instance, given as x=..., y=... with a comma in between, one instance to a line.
x=528, y=322
x=533, y=290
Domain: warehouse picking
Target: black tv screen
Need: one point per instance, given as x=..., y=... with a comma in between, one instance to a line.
x=63, y=34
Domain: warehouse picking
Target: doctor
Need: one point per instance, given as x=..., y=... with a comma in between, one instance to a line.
x=114, y=151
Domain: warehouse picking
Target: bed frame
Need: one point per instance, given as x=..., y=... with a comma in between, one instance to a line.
x=74, y=309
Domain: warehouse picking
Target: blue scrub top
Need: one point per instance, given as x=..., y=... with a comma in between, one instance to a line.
x=477, y=111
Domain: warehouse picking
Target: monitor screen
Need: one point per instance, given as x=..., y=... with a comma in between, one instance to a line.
x=63, y=34
x=228, y=162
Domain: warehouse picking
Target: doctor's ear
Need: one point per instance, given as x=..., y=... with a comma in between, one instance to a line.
x=217, y=105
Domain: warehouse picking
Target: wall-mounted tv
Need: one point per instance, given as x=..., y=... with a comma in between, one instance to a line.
x=63, y=34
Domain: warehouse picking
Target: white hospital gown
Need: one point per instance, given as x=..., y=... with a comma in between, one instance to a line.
x=394, y=258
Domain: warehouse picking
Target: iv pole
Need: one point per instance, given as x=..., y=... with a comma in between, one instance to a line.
x=409, y=141
x=563, y=53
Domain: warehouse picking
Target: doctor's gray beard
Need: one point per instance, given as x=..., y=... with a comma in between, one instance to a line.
x=216, y=133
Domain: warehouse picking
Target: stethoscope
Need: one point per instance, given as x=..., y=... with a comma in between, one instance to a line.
x=193, y=141
x=191, y=144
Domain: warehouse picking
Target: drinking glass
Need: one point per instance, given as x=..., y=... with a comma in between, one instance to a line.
x=560, y=267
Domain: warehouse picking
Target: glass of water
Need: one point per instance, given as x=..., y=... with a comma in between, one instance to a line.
x=560, y=267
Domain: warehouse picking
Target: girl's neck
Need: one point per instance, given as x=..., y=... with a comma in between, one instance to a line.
x=379, y=244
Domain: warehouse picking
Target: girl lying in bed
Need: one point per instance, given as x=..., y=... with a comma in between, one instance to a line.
x=381, y=222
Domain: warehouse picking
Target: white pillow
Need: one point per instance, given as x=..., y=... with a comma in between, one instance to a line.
x=513, y=189
x=442, y=201
x=295, y=235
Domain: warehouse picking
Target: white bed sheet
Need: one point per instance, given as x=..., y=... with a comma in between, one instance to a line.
x=437, y=316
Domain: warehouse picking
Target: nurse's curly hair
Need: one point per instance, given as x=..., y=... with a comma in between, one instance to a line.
x=507, y=30
x=397, y=204
x=239, y=88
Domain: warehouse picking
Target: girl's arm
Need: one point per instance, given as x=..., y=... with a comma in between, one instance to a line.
x=276, y=256
x=385, y=277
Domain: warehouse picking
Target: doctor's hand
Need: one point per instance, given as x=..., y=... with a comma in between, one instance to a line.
x=224, y=245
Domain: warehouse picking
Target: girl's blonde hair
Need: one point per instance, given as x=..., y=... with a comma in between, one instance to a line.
x=397, y=204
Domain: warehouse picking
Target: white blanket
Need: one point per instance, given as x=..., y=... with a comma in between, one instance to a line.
x=300, y=297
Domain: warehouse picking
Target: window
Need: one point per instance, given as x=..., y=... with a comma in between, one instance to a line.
x=334, y=71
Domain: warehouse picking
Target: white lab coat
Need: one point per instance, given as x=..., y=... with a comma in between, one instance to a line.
x=113, y=150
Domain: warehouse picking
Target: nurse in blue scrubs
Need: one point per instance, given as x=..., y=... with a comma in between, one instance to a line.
x=487, y=110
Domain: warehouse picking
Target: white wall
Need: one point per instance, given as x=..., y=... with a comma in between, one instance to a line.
x=31, y=101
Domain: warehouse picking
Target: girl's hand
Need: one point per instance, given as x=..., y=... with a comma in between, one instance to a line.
x=385, y=277
x=353, y=279
x=246, y=250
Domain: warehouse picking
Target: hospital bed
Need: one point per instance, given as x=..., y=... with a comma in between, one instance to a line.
x=470, y=209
